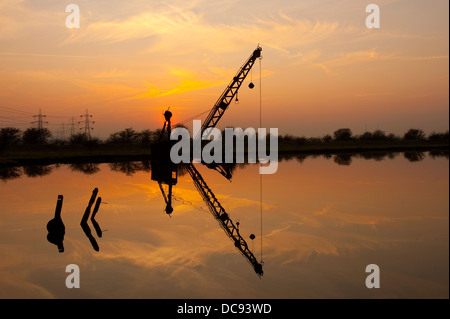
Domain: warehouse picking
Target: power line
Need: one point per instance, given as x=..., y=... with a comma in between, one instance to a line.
x=10, y=116
x=14, y=117
x=13, y=110
x=13, y=120
x=59, y=117
x=13, y=124
x=24, y=113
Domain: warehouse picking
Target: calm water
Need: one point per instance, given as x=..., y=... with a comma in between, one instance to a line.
x=322, y=224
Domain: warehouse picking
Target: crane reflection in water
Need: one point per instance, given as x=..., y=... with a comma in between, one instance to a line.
x=56, y=228
x=84, y=225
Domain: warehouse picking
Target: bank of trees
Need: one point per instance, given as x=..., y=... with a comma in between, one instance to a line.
x=12, y=136
x=130, y=136
x=345, y=135
x=32, y=136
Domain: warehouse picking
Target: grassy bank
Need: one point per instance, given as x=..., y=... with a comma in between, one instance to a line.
x=34, y=146
x=360, y=146
x=49, y=154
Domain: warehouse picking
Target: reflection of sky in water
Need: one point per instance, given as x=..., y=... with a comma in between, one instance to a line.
x=322, y=224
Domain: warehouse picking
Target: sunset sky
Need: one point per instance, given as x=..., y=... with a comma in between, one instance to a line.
x=322, y=68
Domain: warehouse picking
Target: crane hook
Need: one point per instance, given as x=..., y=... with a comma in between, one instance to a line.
x=251, y=85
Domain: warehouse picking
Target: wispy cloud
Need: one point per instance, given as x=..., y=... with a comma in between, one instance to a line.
x=330, y=232
x=189, y=31
x=331, y=63
x=44, y=55
x=189, y=82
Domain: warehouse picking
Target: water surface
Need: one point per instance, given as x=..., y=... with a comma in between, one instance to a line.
x=323, y=221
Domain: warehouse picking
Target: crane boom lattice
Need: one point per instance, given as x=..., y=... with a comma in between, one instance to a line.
x=222, y=217
x=229, y=93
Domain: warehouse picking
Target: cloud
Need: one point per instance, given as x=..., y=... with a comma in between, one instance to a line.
x=174, y=255
x=373, y=94
x=20, y=18
x=188, y=31
x=345, y=218
x=329, y=232
x=332, y=62
x=189, y=82
x=190, y=198
x=44, y=55
x=14, y=286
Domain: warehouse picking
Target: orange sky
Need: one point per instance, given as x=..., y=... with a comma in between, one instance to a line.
x=322, y=68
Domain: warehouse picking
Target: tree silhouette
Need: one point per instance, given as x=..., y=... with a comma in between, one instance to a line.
x=127, y=136
x=379, y=135
x=343, y=134
x=366, y=136
x=9, y=136
x=414, y=134
x=146, y=137
x=36, y=136
x=85, y=168
x=7, y=173
x=83, y=139
x=439, y=137
x=343, y=159
x=439, y=153
x=414, y=156
x=327, y=138
x=80, y=138
x=129, y=168
x=37, y=170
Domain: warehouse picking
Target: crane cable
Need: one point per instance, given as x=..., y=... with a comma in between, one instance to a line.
x=191, y=118
x=260, y=175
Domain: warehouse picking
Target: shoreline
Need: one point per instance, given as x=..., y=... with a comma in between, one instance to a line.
x=51, y=154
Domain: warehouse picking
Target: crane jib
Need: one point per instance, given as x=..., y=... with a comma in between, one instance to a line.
x=230, y=92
